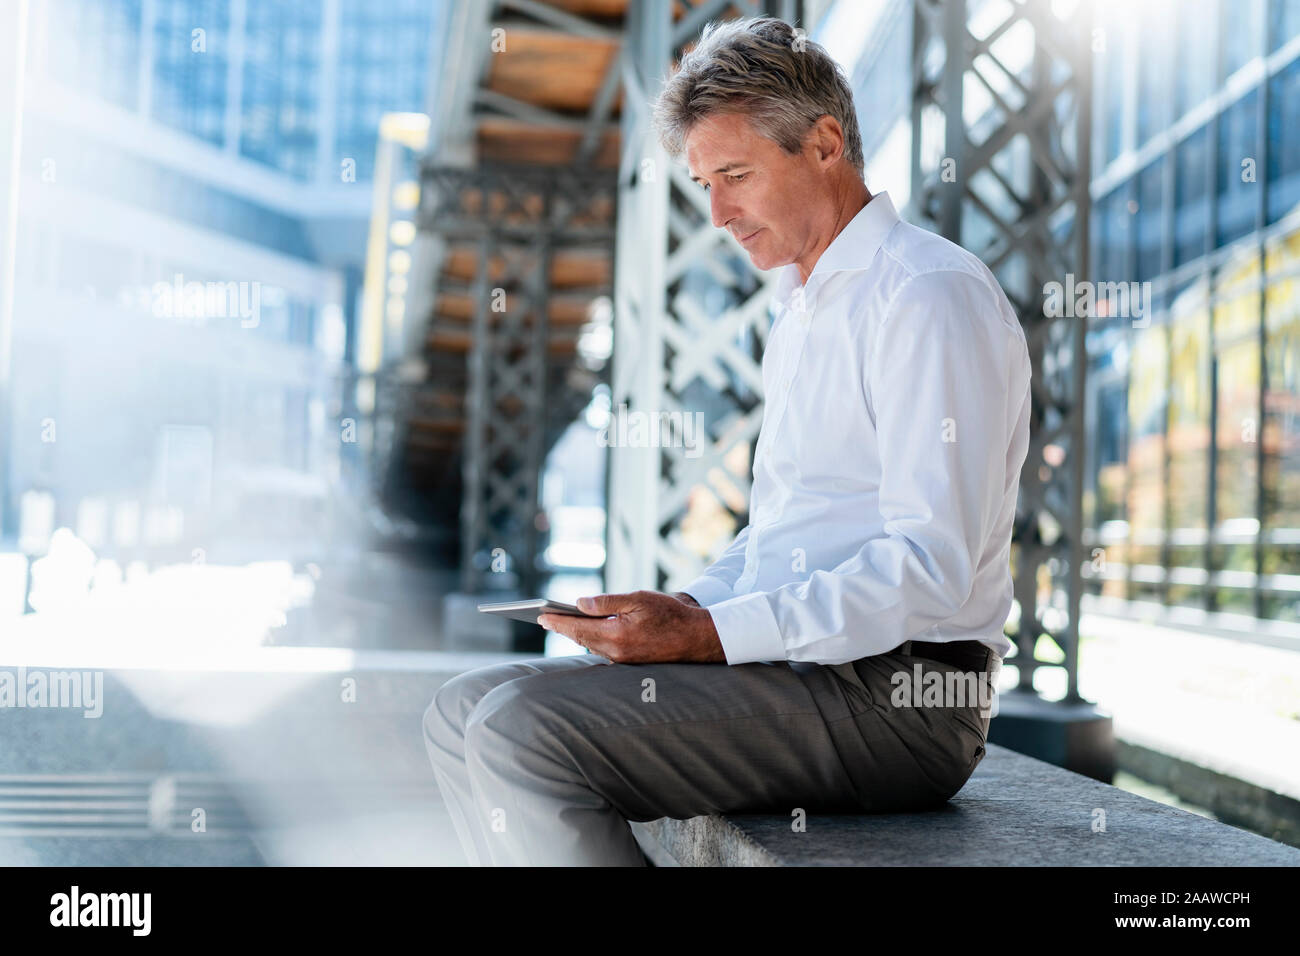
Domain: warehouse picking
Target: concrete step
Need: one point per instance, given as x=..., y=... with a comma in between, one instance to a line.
x=1014, y=811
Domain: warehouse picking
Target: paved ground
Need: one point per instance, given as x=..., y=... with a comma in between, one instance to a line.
x=288, y=756
x=324, y=781
x=1217, y=702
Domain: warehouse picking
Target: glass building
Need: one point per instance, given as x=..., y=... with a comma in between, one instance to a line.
x=296, y=85
x=1195, y=492
x=168, y=146
x=1193, y=457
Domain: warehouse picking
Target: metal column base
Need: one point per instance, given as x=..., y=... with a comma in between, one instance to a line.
x=1078, y=737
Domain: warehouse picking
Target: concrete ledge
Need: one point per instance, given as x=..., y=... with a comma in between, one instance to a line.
x=1014, y=811
x=1227, y=795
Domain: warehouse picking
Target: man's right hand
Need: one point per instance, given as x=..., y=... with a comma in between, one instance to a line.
x=686, y=598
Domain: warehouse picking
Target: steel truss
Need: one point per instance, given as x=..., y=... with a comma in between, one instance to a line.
x=690, y=317
x=516, y=219
x=1011, y=185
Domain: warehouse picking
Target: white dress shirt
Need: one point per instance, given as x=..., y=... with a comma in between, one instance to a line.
x=888, y=461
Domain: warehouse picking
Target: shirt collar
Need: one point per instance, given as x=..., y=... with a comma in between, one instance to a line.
x=852, y=249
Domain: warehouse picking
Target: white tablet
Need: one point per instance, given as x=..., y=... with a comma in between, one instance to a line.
x=530, y=609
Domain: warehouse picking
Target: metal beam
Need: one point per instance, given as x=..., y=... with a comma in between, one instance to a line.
x=563, y=20
x=691, y=315
x=518, y=109
x=598, y=116
x=520, y=216
x=967, y=190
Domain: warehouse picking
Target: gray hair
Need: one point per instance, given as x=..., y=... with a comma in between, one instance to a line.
x=761, y=67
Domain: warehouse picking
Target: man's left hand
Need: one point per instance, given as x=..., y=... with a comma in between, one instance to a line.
x=641, y=627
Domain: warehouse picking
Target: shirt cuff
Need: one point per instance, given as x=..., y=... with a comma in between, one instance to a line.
x=708, y=589
x=747, y=629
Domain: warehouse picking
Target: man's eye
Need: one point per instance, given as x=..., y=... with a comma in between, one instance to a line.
x=734, y=177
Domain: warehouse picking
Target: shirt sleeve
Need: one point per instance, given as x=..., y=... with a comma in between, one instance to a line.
x=939, y=377
x=718, y=580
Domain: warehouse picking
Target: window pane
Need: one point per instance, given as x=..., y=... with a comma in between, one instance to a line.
x=1239, y=24
x=383, y=54
x=1108, y=92
x=1284, y=142
x=281, y=79
x=1283, y=22
x=1150, y=220
x=1104, y=498
x=1147, y=410
x=94, y=48
x=189, y=76
x=1282, y=392
x=1155, y=75
x=1195, y=52
x=1191, y=201
x=1281, y=432
x=1238, y=171
x=1189, y=435
x=1236, y=346
x=1114, y=233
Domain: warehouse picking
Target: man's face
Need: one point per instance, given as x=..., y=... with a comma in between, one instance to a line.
x=756, y=189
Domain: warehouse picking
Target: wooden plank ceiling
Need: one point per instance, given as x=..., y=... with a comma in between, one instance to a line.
x=556, y=70
x=555, y=86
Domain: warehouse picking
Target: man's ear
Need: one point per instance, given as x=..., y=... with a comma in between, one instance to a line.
x=828, y=139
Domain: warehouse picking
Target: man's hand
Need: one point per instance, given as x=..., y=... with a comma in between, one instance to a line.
x=641, y=627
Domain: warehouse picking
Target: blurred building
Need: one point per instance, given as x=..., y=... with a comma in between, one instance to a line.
x=1197, y=190
x=194, y=197
x=1193, y=478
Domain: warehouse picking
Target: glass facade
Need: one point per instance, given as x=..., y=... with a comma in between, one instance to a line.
x=1194, y=486
x=383, y=67
x=1284, y=141
x=151, y=185
x=296, y=85
x=108, y=61
x=279, y=115
x=191, y=59
x=186, y=293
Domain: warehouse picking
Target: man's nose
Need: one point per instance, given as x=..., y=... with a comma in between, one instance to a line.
x=723, y=211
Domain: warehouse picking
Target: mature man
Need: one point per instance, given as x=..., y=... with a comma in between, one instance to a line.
x=877, y=552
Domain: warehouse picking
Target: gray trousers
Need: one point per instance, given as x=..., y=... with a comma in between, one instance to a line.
x=544, y=762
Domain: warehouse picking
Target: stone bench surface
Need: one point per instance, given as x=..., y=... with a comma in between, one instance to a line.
x=1014, y=811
